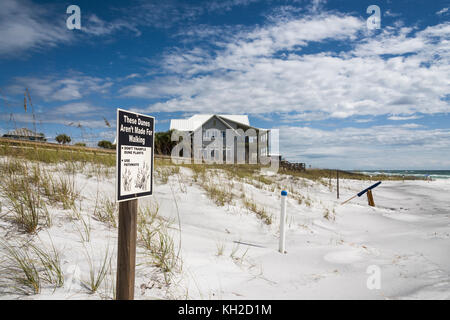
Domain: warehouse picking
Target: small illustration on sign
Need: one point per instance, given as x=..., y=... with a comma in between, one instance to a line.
x=143, y=177
x=126, y=180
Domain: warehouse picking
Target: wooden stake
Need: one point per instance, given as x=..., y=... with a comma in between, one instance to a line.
x=349, y=199
x=337, y=183
x=370, y=198
x=126, y=252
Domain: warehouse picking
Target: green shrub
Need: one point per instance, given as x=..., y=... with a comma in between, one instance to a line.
x=63, y=138
x=105, y=144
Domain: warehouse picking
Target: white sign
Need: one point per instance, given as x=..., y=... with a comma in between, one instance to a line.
x=135, y=147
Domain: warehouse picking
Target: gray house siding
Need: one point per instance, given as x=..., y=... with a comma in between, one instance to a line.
x=215, y=128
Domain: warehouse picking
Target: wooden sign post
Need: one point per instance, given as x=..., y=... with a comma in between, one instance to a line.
x=370, y=198
x=126, y=252
x=369, y=194
x=134, y=179
x=337, y=183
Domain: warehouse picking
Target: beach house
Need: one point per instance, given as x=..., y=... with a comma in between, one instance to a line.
x=25, y=134
x=205, y=130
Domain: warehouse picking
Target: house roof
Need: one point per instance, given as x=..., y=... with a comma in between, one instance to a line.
x=23, y=132
x=197, y=120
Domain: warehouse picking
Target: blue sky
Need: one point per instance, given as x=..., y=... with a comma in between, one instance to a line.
x=341, y=95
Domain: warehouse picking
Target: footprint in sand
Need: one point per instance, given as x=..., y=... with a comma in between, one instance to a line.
x=402, y=217
x=344, y=257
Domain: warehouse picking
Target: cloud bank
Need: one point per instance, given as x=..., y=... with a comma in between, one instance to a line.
x=276, y=68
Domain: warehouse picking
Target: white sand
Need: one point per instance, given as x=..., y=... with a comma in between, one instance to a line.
x=407, y=235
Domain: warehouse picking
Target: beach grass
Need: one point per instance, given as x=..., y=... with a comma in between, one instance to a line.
x=260, y=211
x=153, y=233
x=98, y=271
x=29, y=266
x=52, y=155
x=164, y=167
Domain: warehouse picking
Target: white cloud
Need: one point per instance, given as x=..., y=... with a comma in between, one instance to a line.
x=391, y=41
x=60, y=89
x=226, y=5
x=385, y=147
x=316, y=5
x=94, y=25
x=389, y=13
x=364, y=120
x=403, y=118
x=307, y=116
x=264, y=70
x=166, y=14
x=80, y=108
x=412, y=125
x=443, y=11
x=132, y=76
x=24, y=26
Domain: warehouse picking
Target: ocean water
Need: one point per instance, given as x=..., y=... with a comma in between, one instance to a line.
x=434, y=174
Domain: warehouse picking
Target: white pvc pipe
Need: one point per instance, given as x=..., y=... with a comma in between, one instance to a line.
x=283, y=221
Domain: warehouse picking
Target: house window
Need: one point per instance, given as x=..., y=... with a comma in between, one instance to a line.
x=210, y=134
x=263, y=137
x=228, y=153
x=264, y=151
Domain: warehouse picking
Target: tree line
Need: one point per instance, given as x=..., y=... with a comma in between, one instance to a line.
x=163, y=142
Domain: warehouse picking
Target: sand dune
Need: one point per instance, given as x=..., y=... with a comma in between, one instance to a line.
x=229, y=252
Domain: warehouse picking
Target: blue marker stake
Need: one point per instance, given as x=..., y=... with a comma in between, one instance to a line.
x=363, y=192
x=283, y=221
